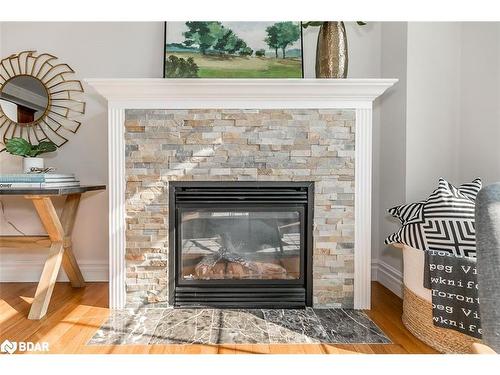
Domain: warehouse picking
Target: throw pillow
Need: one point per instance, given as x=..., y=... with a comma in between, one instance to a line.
x=445, y=221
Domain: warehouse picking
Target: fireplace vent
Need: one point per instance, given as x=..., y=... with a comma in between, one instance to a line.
x=236, y=194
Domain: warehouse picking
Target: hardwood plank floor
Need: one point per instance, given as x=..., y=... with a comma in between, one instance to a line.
x=75, y=314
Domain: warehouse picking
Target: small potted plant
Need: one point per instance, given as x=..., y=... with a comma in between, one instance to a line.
x=29, y=152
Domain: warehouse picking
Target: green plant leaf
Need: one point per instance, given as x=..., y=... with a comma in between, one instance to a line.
x=305, y=25
x=43, y=147
x=33, y=153
x=18, y=146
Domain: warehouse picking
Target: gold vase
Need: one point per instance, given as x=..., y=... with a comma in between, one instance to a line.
x=331, y=51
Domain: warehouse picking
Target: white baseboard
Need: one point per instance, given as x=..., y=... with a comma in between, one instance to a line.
x=30, y=271
x=388, y=276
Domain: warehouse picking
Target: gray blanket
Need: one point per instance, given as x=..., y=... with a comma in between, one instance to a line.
x=453, y=282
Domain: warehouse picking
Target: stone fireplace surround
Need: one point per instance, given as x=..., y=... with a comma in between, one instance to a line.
x=240, y=145
x=261, y=130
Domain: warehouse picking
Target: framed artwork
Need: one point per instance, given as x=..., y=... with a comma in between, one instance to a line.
x=219, y=49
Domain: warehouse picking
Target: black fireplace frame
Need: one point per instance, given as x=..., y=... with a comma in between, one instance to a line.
x=235, y=293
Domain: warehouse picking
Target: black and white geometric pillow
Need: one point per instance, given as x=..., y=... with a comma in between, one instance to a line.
x=407, y=213
x=445, y=221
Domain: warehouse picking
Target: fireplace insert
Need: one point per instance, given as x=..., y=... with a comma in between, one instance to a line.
x=240, y=244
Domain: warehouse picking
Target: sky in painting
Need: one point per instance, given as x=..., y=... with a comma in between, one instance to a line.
x=253, y=33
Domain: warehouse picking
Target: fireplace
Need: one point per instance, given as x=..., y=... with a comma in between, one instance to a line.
x=241, y=244
x=161, y=131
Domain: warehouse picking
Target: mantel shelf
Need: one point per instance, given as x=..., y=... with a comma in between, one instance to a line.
x=150, y=93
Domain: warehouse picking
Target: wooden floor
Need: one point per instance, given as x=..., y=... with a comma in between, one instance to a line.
x=75, y=314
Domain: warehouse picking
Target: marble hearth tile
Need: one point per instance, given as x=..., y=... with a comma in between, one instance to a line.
x=215, y=326
x=239, y=327
x=127, y=327
x=350, y=327
x=294, y=326
x=184, y=326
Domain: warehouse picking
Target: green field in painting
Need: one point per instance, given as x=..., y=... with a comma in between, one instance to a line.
x=215, y=66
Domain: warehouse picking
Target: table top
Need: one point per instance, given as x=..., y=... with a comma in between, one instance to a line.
x=53, y=191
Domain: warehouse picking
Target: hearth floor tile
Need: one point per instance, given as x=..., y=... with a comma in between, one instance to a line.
x=129, y=326
x=221, y=326
x=350, y=327
x=239, y=327
x=294, y=326
x=184, y=326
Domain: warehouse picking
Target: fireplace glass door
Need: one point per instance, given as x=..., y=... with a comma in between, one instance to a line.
x=240, y=244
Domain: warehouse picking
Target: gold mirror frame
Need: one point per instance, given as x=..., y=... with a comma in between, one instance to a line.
x=63, y=104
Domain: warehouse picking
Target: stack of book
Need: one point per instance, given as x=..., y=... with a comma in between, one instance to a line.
x=38, y=181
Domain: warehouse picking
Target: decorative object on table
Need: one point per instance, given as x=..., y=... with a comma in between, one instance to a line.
x=445, y=221
x=29, y=152
x=57, y=241
x=332, y=55
x=217, y=49
x=38, y=181
x=42, y=170
x=39, y=100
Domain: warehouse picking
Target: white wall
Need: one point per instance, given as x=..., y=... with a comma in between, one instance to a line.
x=479, y=151
x=433, y=117
x=392, y=146
x=115, y=50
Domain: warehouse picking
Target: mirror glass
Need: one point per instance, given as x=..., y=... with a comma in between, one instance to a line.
x=24, y=99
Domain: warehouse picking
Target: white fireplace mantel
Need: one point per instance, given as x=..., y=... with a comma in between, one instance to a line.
x=356, y=94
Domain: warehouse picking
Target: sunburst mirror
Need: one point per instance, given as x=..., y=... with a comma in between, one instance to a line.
x=38, y=99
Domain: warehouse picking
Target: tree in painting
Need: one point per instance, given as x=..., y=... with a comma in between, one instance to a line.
x=214, y=36
x=288, y=33
x=281, y=35
x=201, y=34
x=260, y=52
x=177, y=67
x=272, y=38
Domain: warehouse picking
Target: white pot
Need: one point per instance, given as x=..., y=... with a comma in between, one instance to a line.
x=29, y=163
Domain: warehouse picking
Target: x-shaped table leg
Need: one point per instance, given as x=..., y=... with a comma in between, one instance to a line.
x=59, y=231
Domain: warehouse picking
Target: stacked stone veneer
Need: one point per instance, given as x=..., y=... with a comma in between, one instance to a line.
x=239, y=145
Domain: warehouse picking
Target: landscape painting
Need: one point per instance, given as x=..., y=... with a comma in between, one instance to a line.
x=213, y=49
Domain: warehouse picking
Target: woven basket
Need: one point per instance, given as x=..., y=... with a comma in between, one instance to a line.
x=417, y=318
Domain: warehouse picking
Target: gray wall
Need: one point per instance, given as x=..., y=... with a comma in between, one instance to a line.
x=392, y=141
x=479, y=154
x=432, y=115
x=453, y=104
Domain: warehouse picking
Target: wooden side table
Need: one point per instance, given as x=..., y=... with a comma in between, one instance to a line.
x=58, y=240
